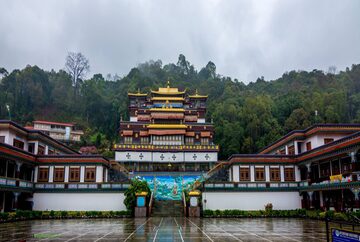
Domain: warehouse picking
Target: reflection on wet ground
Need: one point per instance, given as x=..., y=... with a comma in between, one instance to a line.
x=165, y=229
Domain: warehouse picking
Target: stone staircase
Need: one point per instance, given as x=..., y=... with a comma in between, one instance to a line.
x=167, y=208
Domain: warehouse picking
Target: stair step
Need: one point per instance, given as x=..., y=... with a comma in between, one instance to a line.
x=167, y=208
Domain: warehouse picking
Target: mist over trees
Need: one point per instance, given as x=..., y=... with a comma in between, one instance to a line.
x=246, y=117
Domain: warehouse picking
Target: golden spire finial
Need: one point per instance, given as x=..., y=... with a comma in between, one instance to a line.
x=138, y=90
x=168, y=84
x=196, y=92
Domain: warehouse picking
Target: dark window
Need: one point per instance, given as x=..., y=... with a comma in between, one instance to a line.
x=328, y=140
x=2, y=139
x=282, y=152
x=74, y=174
x=259, y=174
x=308, y=146
x=59, y=174
x=31, y=148
x=19, y=144
x=90, y=174
x=291, y=150
x=43, y=175
x=274, y=174
x=244, y=174
x=41, y=150
x=289, y=174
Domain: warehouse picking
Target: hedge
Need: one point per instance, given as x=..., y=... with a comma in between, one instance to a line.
x=298, y=213
x=26, y=215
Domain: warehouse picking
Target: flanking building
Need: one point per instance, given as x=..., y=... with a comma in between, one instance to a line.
x=64, y=132
x=313, y=168
x=38, y=172
x=167, y=132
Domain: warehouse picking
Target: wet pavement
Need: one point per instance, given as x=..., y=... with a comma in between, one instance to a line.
x=165, y=229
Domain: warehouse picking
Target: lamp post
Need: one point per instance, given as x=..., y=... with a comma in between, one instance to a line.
x=8, y=108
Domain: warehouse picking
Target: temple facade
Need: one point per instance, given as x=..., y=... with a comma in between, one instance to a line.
x=167, y=131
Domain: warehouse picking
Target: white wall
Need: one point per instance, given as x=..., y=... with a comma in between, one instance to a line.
x=167, y=156
x=79, y=201
x=251, y=200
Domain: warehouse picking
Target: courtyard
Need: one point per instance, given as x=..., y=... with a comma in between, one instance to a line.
x=165, y=229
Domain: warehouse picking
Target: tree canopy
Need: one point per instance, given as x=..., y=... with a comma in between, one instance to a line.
x=246, y=117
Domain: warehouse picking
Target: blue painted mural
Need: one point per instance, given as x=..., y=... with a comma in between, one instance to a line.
x=169, y=187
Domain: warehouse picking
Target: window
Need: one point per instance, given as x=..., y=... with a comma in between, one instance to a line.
x=144, y=140
x=2, y=139
x=244, y=174
x=259, y=174
x=31, y=148
x=43, y=175
x=19, y=144
x=281, y=152
x=90, y=174
x=59, y=174
x=289, y=174
x=189, y=140
x=128, y=140
x=291, y=150
x=328, y=140
x=308, y=146
x=41, y=150
x=274, y=174
x=74, y=174
x=205, y=141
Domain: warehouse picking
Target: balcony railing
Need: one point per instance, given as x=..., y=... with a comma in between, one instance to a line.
x=328, y=185
x=15, y=183
x=81, y=186
x=252, y=186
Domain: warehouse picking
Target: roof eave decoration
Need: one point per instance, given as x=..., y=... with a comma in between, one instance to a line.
x=137, y=94
x=168, y=90
x=197, y=95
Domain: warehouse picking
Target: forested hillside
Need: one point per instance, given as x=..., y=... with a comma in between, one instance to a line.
x=246, y=117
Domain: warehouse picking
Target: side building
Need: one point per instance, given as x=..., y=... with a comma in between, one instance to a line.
x=313, y=168
x=38, y=172
x=167, y=132
x=64, y=132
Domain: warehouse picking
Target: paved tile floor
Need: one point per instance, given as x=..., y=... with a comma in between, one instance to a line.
x=165, y=229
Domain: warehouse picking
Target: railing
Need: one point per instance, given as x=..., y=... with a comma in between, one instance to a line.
x=184, y=203
x=335, y=228
x=328, y=185
x=251, y=185
x=82, y=186
x=16, y=183
x=151, y=203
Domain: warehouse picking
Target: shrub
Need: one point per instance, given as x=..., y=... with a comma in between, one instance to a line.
x=135, y=187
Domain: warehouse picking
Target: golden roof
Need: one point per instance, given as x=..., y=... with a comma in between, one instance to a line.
x=141, y=194
x=194, y=193
x=168, y=90
x=167, y=126
x=138, y=94
x=197, y=95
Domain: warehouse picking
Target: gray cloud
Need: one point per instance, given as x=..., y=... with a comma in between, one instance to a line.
x=245, y=39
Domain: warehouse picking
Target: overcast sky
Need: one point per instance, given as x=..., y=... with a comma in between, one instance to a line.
x=245, y=39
